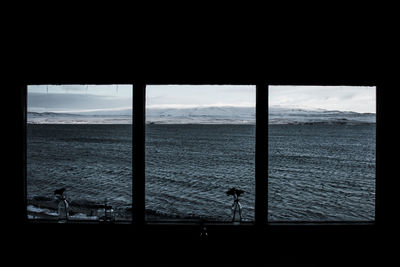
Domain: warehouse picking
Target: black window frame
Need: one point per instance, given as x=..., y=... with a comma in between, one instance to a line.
x=24, y=108
x=261, y=202
x=261, y=156
x=377, y=205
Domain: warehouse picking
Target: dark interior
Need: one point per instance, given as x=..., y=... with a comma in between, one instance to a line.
x=322, y=244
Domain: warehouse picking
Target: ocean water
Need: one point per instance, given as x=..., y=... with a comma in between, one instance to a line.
x=189, y=168
x=316, y=172
x=93, y=163
x=321, y=172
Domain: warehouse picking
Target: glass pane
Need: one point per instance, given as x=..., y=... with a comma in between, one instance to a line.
x=322, y=151
x=79, y=152
x=200, y=143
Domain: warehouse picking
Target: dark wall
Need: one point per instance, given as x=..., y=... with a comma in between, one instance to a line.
x=315, y=244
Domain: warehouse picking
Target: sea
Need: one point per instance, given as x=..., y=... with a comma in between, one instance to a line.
x=316, y=172
x=93, y=162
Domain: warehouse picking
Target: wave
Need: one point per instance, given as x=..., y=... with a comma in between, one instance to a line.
x=41, y=207
x=343, y=121
x=155, y=215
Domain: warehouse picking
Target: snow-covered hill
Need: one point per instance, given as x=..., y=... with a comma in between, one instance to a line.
x=209, y=115
x=280, y=115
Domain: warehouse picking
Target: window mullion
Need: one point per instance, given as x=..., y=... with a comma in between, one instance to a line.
x=138, y=153
x=261, y=176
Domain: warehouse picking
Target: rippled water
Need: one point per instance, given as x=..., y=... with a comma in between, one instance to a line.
x=93, y=162
x=316, y=172
x=189, y=168
x=321, y=172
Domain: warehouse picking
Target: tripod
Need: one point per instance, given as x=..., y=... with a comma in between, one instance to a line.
x=236, y=206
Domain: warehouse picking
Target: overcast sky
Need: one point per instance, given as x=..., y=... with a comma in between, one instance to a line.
x=78, y=98
x=344, y=98
x=186, y=96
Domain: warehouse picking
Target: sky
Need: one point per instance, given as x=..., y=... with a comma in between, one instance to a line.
x=84, y=98
x=79, y=98
x=360, y=99
x=188, y=96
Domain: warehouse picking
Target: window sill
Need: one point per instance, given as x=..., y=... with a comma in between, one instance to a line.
x=322, y=223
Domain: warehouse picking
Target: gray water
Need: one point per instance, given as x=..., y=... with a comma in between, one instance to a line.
x=93, y=163
x=189, y=168
x=316, y=172
x=321, y=172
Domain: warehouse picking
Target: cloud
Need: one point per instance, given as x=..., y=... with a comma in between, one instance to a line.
x=343, y=98
x=182, y=96
x=104, y=90
x=69, y=102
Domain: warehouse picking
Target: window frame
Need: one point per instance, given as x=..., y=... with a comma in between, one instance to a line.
x=377, y=208
x=24, y=108
x=261, y=159
x=261, y=165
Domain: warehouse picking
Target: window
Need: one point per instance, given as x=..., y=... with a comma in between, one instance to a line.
x=314, y=159
x=200, y=142
x=322, y=153
x=79, y=148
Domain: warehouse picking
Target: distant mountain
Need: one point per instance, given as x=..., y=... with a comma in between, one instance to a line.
x=205, y=115
x=71, y=118
x=280, y=115
x=208, y=115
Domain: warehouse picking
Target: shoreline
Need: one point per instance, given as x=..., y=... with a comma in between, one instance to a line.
x=47, y=210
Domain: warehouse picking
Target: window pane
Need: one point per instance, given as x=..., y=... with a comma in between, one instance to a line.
x=321, y=153
x=79, y=139
x=199, y=143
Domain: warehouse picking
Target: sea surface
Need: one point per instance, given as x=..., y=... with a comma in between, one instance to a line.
x=93, y=163
x=321, y=172
x=316, y=172
x=189, y=168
